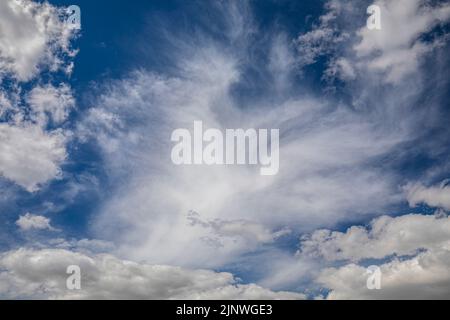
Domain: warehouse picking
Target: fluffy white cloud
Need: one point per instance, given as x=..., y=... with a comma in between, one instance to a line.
x=33, y=222
x=413, y=250
x=41, y=274
x=435, y=196
x=385, y=236
x=33, y=37
x=425, y=276
x=30, y=156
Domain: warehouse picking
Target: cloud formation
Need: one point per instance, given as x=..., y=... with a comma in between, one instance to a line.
x=434, y=196
x=340, y=155
x=29, y=155
x=333, y=155
x=385, y=236
x=251, y=232
x=398, y=54
x=425, y=276
x=41, y=274
x=391, y=56
x=33, y=222
x=413, y=253
x=49, y=103
x=33, y=38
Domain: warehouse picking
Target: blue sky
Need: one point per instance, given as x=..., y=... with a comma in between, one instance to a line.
x=86, y=176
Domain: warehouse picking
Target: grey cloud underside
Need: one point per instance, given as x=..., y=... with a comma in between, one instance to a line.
x=41, y=274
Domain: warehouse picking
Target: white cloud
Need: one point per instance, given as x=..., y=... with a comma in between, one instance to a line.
x=425, y=276
x=435, y=196
x=325, y=36
x=30, y=156
x=341, y=68
x=41, y=274
x=413, y=253
x=385, y=236
x=250, y=232
x=33, y=38
x=33, y=222
x=50, y=103
x=398, y=53
x=83, y=245
x=392, y=55
x=320, y=177
x=281, y=64
x=5, y=103
x=329, y=173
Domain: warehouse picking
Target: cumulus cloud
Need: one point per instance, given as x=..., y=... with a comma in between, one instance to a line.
x=30, y=156
x=425, y=276
x=41, y=274
x=412, y=251
x=385, y=236
x=33, y=38
x=33, y=222
x=435, y=196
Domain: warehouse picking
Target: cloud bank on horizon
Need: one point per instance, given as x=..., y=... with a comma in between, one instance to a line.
x=86, y=177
